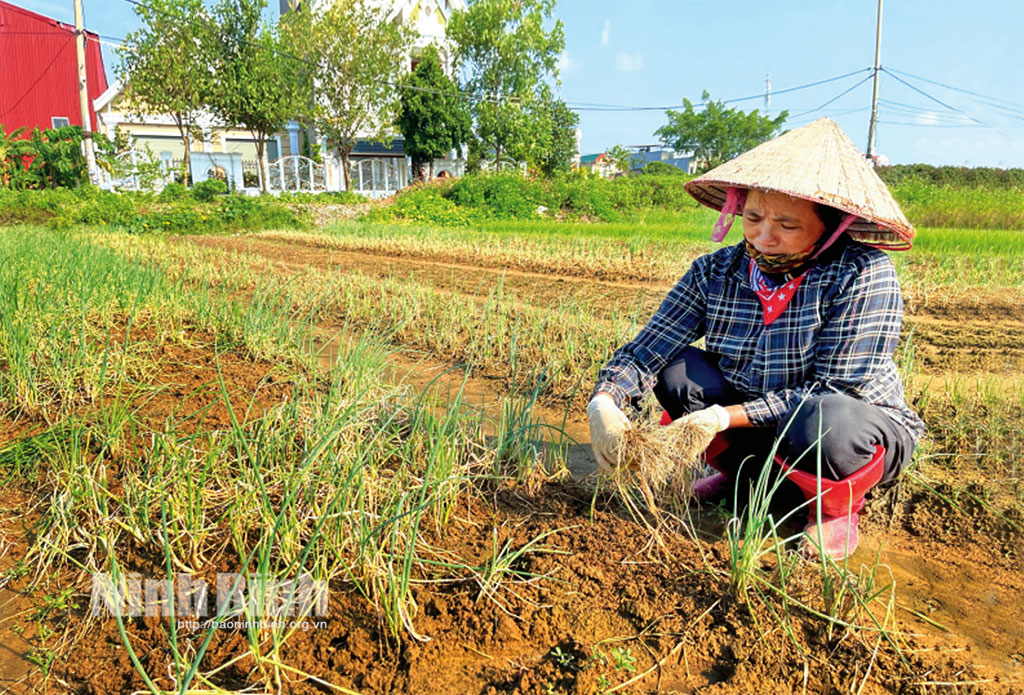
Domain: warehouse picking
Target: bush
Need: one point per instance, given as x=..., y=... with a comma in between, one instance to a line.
x=143, y=212
x=960, y=177
x=660, y=169
x=424, y=204
x=204, y=191
x=510, y=195
x=172, y=192
x=322, y=198
x=507, y=195
x=171, y=221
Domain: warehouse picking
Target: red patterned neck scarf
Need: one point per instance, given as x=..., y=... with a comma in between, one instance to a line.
x=774, y=300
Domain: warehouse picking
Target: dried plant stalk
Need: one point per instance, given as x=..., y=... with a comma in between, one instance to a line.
x=656, y=462
x=660, y=455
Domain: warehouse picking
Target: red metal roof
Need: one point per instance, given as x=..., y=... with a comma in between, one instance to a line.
x=39, y=78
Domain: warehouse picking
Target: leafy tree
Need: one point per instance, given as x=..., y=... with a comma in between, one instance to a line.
x=257, y=83
x=166, y=64
x=556, y=149
x=507, y=54
x=717, y=134
x=622, y=159
x=434, y=118
x=358, y=54
x=661, y=169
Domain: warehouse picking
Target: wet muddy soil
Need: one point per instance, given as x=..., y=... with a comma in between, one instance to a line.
x=596, y=608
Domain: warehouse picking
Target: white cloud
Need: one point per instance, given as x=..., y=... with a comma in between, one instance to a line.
x=606, y=32
x=568, y=65
x=629, y=62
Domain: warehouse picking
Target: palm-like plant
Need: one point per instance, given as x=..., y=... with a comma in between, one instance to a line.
x=12, y=149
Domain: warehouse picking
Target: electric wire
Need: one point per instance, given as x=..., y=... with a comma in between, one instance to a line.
x=574, y=106
x=929, y=96
x=585, y=106
x=1009, y=109
x=1018, y=107
x=41, y=75
x=837, y=97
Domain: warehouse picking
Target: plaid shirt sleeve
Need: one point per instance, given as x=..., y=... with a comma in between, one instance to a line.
x=633, y=370
x=854, y=347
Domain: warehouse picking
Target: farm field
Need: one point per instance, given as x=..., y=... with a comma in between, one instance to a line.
x=399, y=411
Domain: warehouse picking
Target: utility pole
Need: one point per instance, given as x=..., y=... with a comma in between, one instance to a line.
x=767, y=92
x=83, y=96
x=874, y=88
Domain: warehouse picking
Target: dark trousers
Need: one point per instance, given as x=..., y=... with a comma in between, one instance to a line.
x=849, y=429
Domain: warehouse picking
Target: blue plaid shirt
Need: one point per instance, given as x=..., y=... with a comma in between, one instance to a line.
x=837, y=335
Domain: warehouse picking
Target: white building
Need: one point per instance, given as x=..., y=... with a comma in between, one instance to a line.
x=380, y=169
x=376, y=170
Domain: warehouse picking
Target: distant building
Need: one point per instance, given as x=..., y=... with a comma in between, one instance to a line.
x=600, y=164
x=645, y=154
x=376, y=169
x=39, y=73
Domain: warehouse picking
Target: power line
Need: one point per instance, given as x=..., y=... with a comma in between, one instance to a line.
x=832, y=114
x=912, y=110
x=579, y=107
x=955, y=89
x=835, y=98
x=586, y=106
x=938, y=125
x=41, y=76
x=936, y=100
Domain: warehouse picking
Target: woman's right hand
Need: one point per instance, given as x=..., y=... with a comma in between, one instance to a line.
x=607, y=423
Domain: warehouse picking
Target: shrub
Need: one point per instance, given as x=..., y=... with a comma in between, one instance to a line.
x=513, y=196
x=171, y=221
x=423, y=204
x=241, y=212
x=507, y=195
x=172, y=192
x=960, y=177
x=322, y=198
x=204, y=191
x=660, y=169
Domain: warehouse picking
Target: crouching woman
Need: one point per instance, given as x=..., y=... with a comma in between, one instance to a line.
x=800, y=321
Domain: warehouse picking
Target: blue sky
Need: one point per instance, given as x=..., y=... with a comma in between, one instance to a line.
x=656, y=52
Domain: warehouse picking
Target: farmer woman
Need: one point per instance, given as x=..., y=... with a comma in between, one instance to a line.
x=800, y=320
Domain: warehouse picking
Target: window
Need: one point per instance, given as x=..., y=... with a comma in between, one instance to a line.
x=59, y=122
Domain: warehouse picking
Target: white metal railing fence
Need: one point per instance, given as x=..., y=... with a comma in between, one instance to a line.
x=378, y=177
x=296, y=173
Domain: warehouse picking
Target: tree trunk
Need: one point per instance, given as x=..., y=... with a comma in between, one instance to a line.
x=345, y=172
x=183, y=131
x=431, y=169
x=261, y=146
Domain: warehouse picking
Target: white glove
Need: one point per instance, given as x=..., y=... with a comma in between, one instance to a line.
x=715, y=418
x=607, y=423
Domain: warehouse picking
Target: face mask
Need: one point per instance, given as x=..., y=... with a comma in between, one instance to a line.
x=782, y=263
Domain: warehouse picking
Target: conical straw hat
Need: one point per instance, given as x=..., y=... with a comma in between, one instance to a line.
x=817, y=162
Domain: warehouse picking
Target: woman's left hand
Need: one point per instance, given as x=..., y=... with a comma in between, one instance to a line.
x=715, y=418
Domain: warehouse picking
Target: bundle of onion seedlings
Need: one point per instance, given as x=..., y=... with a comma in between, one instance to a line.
x=657, y=462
